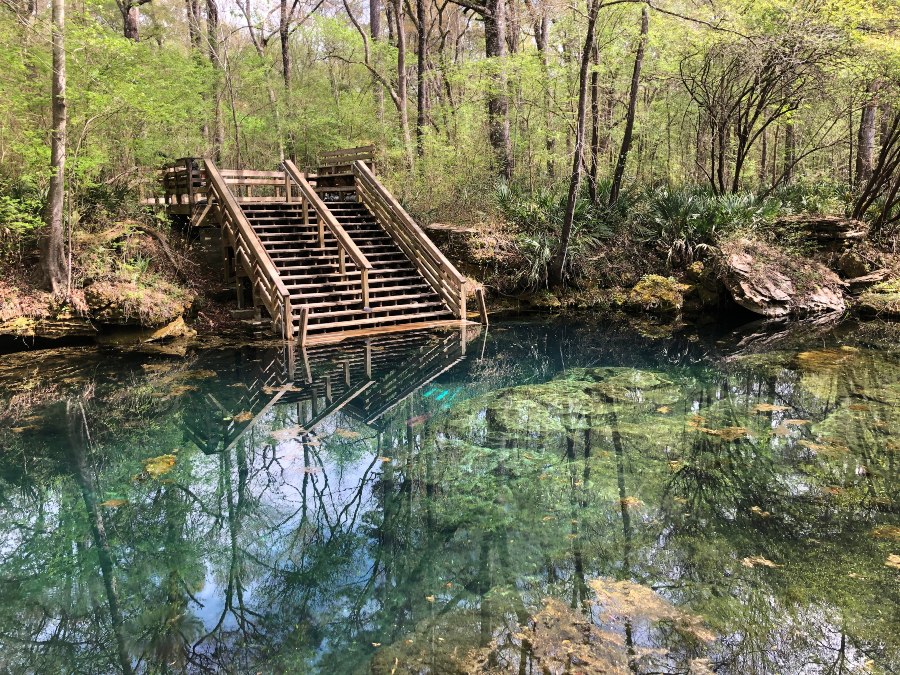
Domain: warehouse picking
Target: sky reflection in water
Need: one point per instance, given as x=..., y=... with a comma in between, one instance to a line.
x=540, y=498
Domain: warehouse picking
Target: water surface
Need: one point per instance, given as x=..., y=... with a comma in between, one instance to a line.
x=539, y=498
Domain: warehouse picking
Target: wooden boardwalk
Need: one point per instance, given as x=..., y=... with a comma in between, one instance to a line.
x=327, y=255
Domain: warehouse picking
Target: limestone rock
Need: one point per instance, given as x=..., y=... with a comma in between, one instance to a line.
x=137, y=335
x=830, y=232
x=49, y=328
x=657, y=294
x=882, y=301
x=770, y=283
x=122, y=303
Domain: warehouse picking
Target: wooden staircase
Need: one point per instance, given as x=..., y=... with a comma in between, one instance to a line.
x=311, y=273
x=328, y=255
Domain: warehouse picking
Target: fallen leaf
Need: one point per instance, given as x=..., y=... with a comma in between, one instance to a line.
x=376, y=644
x=893, y=560
x=768, y=407
x=114, y=503
x=243, y=417
x=385, y=459
x=418, y=419
x=429, y=598
x=757, y=511
x=756, y=560
x=664, y=409
x=727, y=433
x=631, y=502
x=159, y=466
x=548, y=518
x=887, y=532
x=857, y=407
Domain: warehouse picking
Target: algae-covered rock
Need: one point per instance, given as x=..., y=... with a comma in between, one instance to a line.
x=657, y=294
x=65, y=325
x=125, y=303
x=881, y=300
x=583, y=398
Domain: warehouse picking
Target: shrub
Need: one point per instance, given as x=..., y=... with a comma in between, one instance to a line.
x=20, y=221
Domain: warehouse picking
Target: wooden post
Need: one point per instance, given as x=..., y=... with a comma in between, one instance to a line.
x=328, y=396
x=305, y=211
x=364, y=278
x=462, y=300
x=369, y=359
x=304, y=320
x=342, y=261
x=287, y=187
x=347, y=372
x=482, y=305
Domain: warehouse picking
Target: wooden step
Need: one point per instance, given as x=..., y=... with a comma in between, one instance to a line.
x=424, y=316
x=379, y=302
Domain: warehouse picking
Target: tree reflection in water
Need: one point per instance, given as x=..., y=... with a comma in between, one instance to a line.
x=538, y=499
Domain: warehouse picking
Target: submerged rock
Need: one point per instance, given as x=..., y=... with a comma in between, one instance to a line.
x=770, y=283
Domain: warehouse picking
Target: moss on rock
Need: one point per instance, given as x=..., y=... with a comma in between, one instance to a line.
x=657, y=294
x=882, y=300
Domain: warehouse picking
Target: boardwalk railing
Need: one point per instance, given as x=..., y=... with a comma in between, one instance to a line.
x=250, y=254
x=431, y=263
x=325, y=219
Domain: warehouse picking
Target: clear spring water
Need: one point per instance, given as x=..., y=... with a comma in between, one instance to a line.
x=540, y=498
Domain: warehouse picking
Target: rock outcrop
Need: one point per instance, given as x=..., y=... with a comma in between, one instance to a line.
x=121, y=303
x=771, y=283
x=882, y=301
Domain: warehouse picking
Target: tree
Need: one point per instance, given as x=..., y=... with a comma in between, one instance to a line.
x=632, y=110
x=493, y=12
x=131, y=14
x=557, y=270
x=865, y=144
x=744, y=85
x=53, y=258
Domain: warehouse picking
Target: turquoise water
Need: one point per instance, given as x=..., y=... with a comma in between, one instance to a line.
x=537, y=498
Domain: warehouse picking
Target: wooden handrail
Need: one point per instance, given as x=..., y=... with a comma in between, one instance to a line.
x=434, y=266
x=249, y=252
x=326, y=218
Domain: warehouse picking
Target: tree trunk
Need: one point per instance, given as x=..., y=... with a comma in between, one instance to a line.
x=53, y=255
x=193, y=22
x=212, y=31
x=865, y=142
x=558, y=265
x=375, y=32
x=595, y=123
x=541, y=30
x=763, y=156
x=284, y=25
x=131, y=14
x=421, y=70
x=402, y=86
x=789, y=150
x=632, y=109
x=498, y=101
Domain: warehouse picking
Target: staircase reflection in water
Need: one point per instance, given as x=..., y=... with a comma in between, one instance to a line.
x=363, y=377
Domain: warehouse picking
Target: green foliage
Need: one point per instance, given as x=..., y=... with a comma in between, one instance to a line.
x=538, y=216
x=20, y=219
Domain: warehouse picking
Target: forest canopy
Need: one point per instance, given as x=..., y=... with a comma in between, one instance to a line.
x=476, y=108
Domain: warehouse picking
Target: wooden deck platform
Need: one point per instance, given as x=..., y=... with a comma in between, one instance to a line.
x=327, y=255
